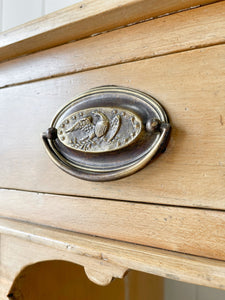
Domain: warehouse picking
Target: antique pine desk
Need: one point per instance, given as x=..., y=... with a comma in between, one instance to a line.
x=167, y=219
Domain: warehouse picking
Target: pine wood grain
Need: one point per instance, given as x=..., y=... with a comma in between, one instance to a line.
x=191, y=171
x=187, y=230
x=81, y=20
x=35, y=244
x=186, y=30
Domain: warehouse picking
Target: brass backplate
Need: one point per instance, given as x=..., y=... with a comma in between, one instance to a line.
x=107, y=133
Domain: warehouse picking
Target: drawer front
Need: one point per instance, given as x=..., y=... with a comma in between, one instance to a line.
x=191, y=171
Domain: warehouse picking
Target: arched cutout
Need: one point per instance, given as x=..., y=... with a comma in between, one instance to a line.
x=63, y=280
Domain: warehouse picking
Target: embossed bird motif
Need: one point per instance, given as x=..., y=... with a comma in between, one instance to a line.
x=93, y=130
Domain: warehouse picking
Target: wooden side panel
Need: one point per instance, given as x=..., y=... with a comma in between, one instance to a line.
x=16, y=254
x=143, y=286
x=62, y=280
x=191, y=171
x=82, y=20
x=65, y=280
x=186, y=30
x=187, y=230
x=4, y=287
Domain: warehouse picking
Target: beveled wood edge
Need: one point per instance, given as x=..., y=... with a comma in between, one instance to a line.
x=115, y=258
x=81, y=20
x=160, y=226
x=206, y=23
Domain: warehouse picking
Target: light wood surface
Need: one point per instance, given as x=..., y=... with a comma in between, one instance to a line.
x=34, y=243
x=183, y=31
x=82, y=20
x=157, y=57
x=188, y=230
x=191, y=171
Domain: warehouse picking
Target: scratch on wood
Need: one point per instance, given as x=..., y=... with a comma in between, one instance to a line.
x=221, y=120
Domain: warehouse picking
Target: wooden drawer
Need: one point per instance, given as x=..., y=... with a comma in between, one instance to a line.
x=188, y=84
x=188, y=173
x=177, y=201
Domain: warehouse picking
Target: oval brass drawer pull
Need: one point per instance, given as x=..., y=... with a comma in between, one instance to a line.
x=107, y=133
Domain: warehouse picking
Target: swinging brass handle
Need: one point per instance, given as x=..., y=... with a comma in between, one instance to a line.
x=93, y=138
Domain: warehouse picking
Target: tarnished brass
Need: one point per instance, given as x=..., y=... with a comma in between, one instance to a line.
x=107, y=133
x=99, y=130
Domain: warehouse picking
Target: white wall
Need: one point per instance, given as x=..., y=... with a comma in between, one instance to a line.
x=16, y=12
x=175, y=290
x=1, y=14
